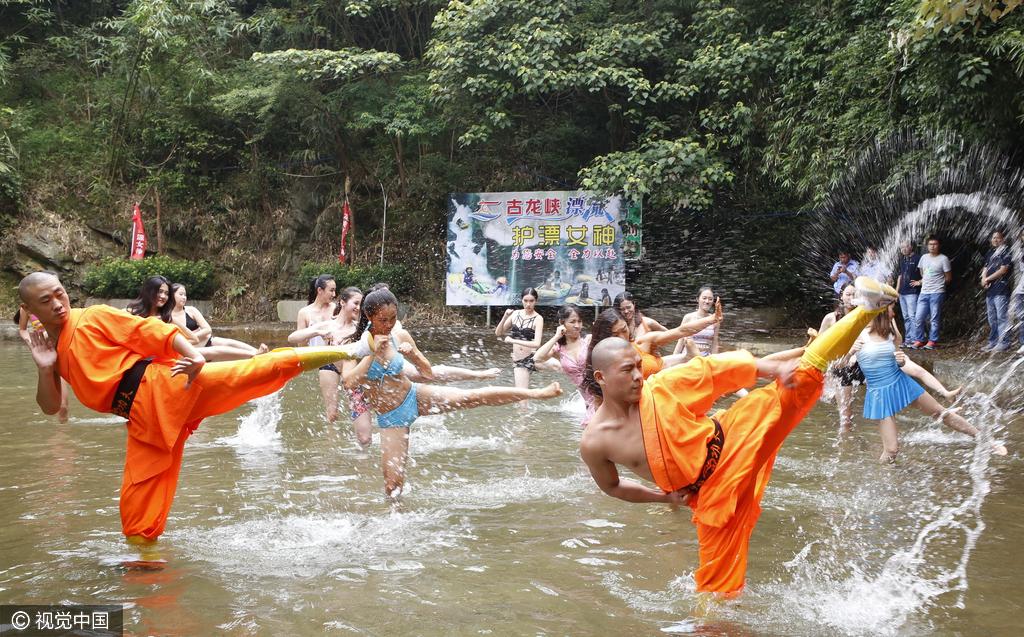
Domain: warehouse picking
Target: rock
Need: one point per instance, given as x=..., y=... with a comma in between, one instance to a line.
x=44, y=251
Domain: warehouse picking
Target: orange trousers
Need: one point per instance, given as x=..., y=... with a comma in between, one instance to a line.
x=163, y=416
x=761, y=420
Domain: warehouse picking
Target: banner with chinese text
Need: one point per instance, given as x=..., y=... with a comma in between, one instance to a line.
x=566, y=244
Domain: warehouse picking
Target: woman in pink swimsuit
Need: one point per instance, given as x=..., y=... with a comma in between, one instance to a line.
x=570, y=347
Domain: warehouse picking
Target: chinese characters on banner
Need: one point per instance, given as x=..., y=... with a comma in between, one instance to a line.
x=138, y=246
x=569, y=245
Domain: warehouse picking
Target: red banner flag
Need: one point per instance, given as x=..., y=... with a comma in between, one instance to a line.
x=138, y=247
x=346, y=221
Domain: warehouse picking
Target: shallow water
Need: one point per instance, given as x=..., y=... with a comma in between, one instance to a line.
x=280, y=527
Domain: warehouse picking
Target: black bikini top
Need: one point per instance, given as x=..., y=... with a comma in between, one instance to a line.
x=523, y=329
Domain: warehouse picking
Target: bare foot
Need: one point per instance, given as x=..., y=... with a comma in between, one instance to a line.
x=998, y=449
x=950, y=395
x=262, y=349
x=62, y=415
x=493, y=372
x=552, y=390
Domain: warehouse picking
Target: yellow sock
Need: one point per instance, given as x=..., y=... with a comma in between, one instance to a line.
x=316, y=357
x=839, y=338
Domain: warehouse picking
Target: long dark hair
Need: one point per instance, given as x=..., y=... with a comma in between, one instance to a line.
x=564, y=314
x=371, y=303
x=145, y=304
x=840, y=308
x=318, y=283
x=529, y=292
x=638, y=318
x=174, y=290
x=601, y=330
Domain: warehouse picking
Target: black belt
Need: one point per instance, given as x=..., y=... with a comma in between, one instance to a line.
x=711, y=461
x=125, y=394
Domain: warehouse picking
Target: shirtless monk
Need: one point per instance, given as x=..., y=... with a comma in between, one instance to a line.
x=146, y=371
x=659, y=430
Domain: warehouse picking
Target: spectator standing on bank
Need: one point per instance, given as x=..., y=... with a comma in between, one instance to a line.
x=995, y=279
x=936, y=274
x=844, y=271
x=873, y=267
x=908, y=284
x=1018, y=292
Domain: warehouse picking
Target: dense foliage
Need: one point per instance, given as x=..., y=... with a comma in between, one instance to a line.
x=120, y=278
x=246, y=116
x=399, y=278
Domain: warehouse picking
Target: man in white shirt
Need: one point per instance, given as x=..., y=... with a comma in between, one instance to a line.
x=936, y=274
x=844, y=271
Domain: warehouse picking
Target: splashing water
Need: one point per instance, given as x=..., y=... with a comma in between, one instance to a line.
x=258, y=429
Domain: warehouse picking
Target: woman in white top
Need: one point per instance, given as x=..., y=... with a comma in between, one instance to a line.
x=704, y=342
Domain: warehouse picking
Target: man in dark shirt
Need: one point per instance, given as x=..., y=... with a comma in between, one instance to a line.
x=908, y=284
x=995, y=278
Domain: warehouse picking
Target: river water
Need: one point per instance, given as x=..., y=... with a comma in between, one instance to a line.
x=280, y=526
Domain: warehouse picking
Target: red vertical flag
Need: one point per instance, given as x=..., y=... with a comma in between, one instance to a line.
x=346, y=221
x=138, y=248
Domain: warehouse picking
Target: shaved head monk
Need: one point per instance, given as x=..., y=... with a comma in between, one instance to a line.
x=147, y=372
x=660, y=430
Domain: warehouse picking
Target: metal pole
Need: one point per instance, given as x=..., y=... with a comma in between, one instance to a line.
x=488, y=316
x=384, y=230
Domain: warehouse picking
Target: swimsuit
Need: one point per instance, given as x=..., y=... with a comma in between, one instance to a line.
x=193, y=325
x=407, y=412
x=704, y=340
x=524, y=331
x=889, y=388
x=575, y=368
x=318, y=341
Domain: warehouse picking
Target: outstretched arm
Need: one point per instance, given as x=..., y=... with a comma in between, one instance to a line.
x=606, y=475
x=302, y=336
x=686, y=328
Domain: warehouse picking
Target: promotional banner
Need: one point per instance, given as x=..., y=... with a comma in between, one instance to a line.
x=138, y=246
x=569, y=245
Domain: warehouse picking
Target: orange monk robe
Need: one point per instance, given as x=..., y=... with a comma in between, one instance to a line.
x=649, y=363
x=676, y=431
x=99, y=344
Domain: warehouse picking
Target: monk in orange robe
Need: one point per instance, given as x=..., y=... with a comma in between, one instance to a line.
x=146, y=371
x=660, y=430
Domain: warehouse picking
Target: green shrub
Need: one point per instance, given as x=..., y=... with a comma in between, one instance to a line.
x=122, y=278
x=398, y=277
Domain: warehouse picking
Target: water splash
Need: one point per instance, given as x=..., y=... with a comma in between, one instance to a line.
x=258, y=429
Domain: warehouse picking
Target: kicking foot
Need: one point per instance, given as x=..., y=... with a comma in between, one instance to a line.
x=552, y=390
x=262, y=349
x=873, y=295
x=950, y=395
x=811, y=335
x=485, y=374
x=998, y=449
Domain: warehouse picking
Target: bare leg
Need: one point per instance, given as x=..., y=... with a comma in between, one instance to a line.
x=220, y=353
x=433, y=399
x=890, y=439
x=364, y=429
x=928, y=405
x=394, y=448
x=844, y=402
x=329, y=391
x=450, y=373
x=522, y=377
x=674, y=359
x=230, y=342
x=914, y=370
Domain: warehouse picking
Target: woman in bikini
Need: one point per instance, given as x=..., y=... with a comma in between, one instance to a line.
x=570, y=347
x=320, y=310
x=704, y=342
x=523, y=329
x=197, y=330
x=396, y=399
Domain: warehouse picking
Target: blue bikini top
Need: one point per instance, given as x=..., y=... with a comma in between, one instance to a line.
x=393, y=368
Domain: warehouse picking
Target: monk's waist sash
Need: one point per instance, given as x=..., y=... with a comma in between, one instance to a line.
x=124, y=397
x=715, y=445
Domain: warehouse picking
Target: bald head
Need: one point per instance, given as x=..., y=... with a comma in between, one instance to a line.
x=609, y=352
x=34, y=280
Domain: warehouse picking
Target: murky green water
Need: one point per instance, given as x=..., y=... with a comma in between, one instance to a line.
x=281, y=527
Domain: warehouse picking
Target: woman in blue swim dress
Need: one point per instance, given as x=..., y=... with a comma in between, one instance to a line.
x=396, y=399
x=890, y=390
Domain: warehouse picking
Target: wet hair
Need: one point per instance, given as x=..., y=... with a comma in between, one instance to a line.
x=319, y=283
x=372, y=302
x=638, y=318
x=564, y=314
x=145, y=304
x=529, y=292
x=881, y=325
x=601, y=330
x=345, y=295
